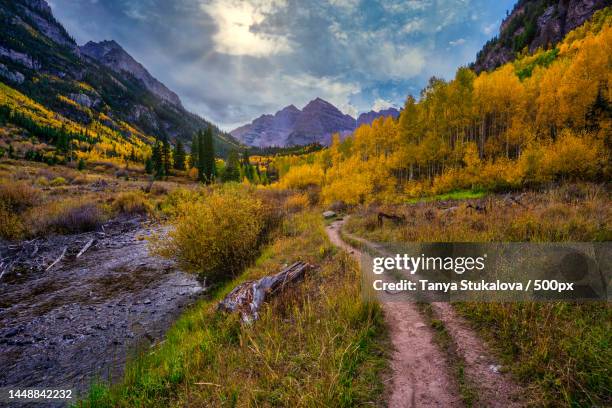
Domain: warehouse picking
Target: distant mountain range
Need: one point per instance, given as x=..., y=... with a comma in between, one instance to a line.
x=39, y=58
x=532, y=24
x=315, y=123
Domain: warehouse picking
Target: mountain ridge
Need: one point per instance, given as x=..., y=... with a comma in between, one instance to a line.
x=39, y=58
x=315, y=123
x=532, y=24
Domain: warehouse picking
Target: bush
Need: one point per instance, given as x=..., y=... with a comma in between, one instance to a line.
x=18, y=196
x=58, y=181
x=297, y=203
x=11, y=226
x=216, y=236
x=132, y=203
x=68, y=216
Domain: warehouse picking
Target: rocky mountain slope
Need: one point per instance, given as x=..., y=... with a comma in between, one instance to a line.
x=40, y=59
x=532, y=24
x=315, y=123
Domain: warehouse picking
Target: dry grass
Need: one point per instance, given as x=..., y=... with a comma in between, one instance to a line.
x=560, y=351
x=67, y=216
x=318, y=344
x=573, y=212
x=132, y=203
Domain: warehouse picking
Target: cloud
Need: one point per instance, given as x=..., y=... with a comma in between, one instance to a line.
x=239, y=27
x=413, y=26
x=458, y=41
x=233, y=60
x=381, y=104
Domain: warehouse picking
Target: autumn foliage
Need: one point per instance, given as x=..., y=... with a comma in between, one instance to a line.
x=545, y=117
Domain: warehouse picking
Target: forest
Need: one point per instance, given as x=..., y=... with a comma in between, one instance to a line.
x=545, y=117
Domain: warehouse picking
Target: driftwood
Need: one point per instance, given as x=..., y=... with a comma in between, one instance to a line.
x=58, y=259
x=397, y=219
x=248, y=297
x=85, y=248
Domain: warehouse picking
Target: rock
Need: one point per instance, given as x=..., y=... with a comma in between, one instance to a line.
x=16, y=76
x=20, y=58
x=494, y=368
x=83, y=100
x=329, y=214
x=147, y=301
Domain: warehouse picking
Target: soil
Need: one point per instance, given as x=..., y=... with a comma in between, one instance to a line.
x=420, y=376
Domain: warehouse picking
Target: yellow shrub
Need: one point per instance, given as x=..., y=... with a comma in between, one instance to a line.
x=215, y=236
x=58, y=181
x=132, y=202
x=302, y=177
x=297, y=202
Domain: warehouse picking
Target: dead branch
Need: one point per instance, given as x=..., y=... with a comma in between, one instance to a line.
x=248, y=297
x=58, y=259
x=85, y=248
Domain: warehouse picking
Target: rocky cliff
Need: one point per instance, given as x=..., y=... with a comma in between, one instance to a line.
x=532, y=24
x=40, y=59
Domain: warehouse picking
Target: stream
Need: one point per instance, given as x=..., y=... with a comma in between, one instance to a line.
x=66, y=324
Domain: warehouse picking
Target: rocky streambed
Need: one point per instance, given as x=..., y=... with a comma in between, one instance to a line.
x=73, y=308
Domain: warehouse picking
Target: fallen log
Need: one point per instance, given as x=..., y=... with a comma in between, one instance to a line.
x=397, y=219
x=248, y=297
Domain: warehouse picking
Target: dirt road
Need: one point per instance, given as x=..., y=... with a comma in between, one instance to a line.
x=422, y=375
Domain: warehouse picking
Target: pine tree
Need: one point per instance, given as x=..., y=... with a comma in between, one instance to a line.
x=194, y=160
x=179, y=156
x=158, y=161
x=232, y=169
x=206, y=155
x=149, y=166
x=166, y=157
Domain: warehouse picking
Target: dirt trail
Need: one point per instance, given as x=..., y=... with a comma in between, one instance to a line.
x=493, y=387
x=420, y=374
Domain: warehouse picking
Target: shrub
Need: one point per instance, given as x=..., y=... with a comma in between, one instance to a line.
x=132, y=203
x=297, y=203
x=18, y=196
x=42, y=181
x=58, y=181
x=216, y=236
x=67, y=216
x=11, y=226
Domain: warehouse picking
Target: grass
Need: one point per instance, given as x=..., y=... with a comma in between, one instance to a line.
x=453, y=195
x=317, y=344
x=560, y=351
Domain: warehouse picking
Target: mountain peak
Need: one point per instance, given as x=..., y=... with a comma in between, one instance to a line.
x=113, y=56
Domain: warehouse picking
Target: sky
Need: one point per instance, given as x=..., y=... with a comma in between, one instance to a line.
x=231, y=61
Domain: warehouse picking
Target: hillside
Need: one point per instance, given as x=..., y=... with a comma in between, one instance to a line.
x=99, y=82
x=533, y=24
x=315, y=123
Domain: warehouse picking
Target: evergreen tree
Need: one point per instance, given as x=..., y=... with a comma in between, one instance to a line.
x=179, y=156
x=206, y=156
x=158, y=161
x=232, y=169
x=81, y=164
x=195, y=149
x=149, y=166
x=166, y=156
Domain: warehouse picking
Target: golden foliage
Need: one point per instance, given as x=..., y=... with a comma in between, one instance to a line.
x=215, y=235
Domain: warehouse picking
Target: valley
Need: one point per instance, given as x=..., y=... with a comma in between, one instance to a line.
x=126, y=219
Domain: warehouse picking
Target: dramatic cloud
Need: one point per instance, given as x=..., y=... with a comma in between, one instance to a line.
x=238, y=33
x=233, y=60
